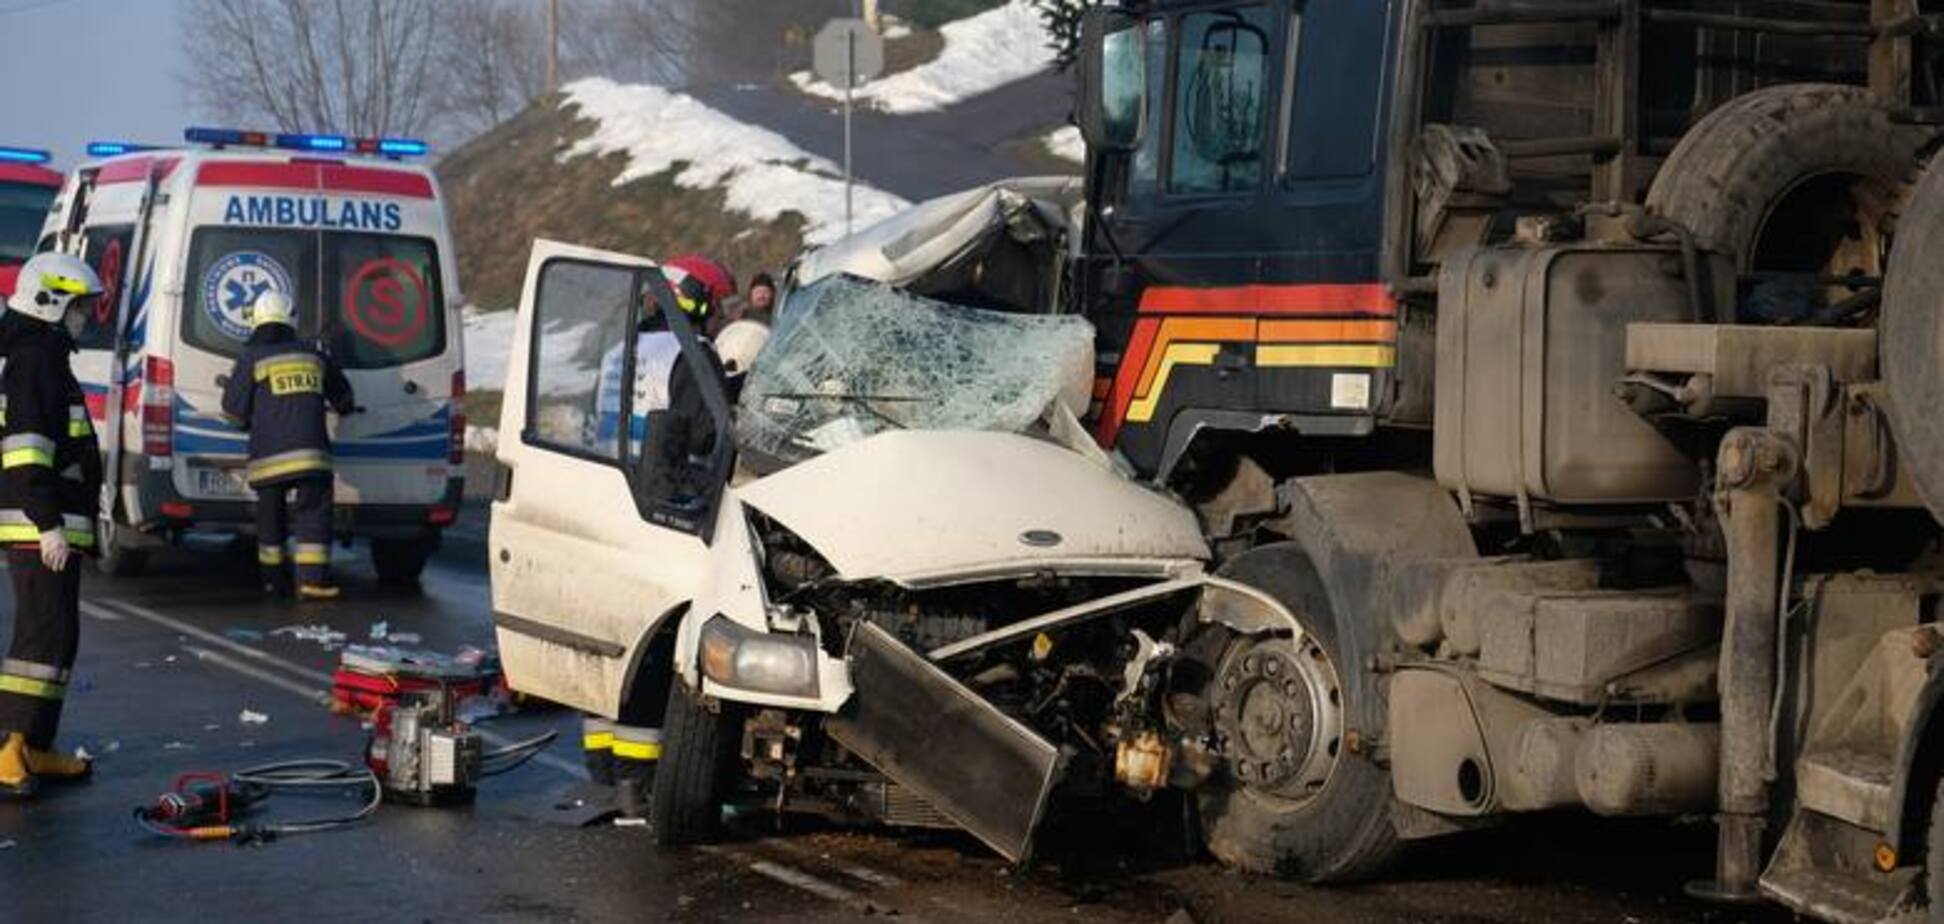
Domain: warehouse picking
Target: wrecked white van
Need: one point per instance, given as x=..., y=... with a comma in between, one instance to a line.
x=903, y=585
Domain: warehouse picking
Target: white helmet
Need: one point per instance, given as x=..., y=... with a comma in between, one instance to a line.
x=272, y=308
x=49, y=282
x=740, y=343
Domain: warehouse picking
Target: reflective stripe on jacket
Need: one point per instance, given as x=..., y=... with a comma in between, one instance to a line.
x=279, y=391
x=50, y=465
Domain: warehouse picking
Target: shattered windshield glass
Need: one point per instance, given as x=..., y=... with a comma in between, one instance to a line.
x=850, y=359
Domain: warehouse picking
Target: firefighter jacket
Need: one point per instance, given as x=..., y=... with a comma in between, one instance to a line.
x=50, y=465
x=278, y=392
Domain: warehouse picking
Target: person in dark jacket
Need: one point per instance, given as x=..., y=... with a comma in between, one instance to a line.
x=50, y=490
x=279, y=392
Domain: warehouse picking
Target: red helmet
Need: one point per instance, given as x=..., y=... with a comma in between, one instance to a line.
x=717, y=281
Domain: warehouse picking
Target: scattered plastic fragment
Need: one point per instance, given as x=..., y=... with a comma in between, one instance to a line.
x=475, y=709
x=178, y=746
x=625, y=822
x=81, y=753
x=252, y=717
x=403, y=638
x=379, y=630
x=170, y=659
x=244, y=635
x=321, y=634
x=7, y=843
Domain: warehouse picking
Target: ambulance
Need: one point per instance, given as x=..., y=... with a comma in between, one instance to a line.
x=27, y=188
x=185, y=240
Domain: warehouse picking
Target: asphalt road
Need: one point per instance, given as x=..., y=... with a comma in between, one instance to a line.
x=164, y=675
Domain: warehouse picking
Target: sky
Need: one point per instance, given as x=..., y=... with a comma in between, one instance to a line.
x=74, y=71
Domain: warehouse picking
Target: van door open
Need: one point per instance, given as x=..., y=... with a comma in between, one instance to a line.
x=596, y=535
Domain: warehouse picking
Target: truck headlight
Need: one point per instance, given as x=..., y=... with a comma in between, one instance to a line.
x=759, y=661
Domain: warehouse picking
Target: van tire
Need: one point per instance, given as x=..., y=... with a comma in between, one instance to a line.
x=698, y=753
x=1934, y=854
x=1344, y=832
x=116, y=559
x=401, y=561
x=1911, y=341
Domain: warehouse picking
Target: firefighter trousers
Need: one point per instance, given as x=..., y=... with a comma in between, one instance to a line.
x=46, y=633
x=299, y=509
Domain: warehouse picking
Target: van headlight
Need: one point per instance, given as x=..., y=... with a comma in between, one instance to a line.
x=760, y=662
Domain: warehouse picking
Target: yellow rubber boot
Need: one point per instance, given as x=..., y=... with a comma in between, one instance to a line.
x=58, y=768
x=16, y=775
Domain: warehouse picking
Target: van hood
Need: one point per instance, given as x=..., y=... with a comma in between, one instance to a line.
x=918, y=507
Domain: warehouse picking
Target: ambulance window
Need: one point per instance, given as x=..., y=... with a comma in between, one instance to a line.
x=387, y=307
x=108, y=252
x=583, y=315
x=229, y=268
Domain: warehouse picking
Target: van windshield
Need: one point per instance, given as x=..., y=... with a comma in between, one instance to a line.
x=23, y=208
x=374, y=299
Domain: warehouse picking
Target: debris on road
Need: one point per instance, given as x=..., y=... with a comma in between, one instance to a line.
x=403, y=638
x=321, y=634
x=252, y=717
x=379, y=630
x=243, y=635
x=8, y=844
x=369, y=677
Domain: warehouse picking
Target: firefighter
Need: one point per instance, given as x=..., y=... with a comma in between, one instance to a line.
x=701, y=285
x=279, y=392
x=50, y=484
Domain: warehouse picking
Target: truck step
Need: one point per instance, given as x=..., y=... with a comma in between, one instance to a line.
x=1823, y=869
x=1851, y=785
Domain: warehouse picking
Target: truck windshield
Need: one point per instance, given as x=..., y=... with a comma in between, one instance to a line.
x=23, y=208
x=850, y=359
x=380, y=296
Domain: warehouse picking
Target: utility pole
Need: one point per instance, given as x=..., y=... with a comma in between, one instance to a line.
x=553, y=46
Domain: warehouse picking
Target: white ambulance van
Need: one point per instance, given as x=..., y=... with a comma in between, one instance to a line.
x=185, y=239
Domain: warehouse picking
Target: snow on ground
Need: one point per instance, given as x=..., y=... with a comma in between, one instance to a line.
x=1065, y=143
x=569, y=352
x=763, y=174
x=982, y=53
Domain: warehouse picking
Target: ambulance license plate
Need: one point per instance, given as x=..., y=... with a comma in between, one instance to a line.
x=221, y=482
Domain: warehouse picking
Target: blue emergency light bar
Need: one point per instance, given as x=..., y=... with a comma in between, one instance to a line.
x=112, y=148
x=293, y=141
x=24, y=156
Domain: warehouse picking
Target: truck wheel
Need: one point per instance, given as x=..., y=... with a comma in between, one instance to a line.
x=698, y=752
x=1799, y=179
x=1934, y=855
x=401, y=561
x=1911, y=341
x=1294, y=800
x=113, y=557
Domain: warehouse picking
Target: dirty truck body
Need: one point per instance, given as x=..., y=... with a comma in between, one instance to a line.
x=1570, y=372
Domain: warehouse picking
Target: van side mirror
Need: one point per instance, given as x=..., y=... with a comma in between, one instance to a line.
x=1113, y=79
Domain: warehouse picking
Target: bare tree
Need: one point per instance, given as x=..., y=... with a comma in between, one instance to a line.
x=359, y=67
x=491, y=61
x=629, y=40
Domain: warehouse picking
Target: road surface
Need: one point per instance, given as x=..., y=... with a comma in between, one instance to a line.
x=164, y=675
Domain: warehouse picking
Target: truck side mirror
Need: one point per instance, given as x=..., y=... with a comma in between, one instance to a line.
x=1113, y=80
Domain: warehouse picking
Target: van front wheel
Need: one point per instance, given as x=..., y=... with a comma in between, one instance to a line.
x=401, y=561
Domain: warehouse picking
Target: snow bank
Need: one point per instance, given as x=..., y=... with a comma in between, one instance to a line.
x=1065, y=143
x=982, y=53
x=763, y=174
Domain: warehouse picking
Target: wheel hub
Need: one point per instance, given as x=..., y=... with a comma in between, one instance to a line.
x=1278, y=711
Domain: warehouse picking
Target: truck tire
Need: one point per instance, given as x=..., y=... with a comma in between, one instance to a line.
x=698, y=752
x=1265, y=821
x=401, y=561
x=1797, y=178
x=1934, y=856
x=1910, y=343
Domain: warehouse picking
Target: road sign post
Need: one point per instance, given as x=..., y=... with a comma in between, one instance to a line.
x=847, y=53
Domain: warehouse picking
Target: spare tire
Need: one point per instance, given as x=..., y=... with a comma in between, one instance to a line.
x=1910, y=342
x=1800, y=179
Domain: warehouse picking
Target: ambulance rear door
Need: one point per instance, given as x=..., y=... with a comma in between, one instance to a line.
x=363, y=252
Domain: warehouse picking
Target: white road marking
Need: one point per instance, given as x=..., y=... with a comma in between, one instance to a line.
x=858, y=872
x=111, y=607
x=791, y=876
